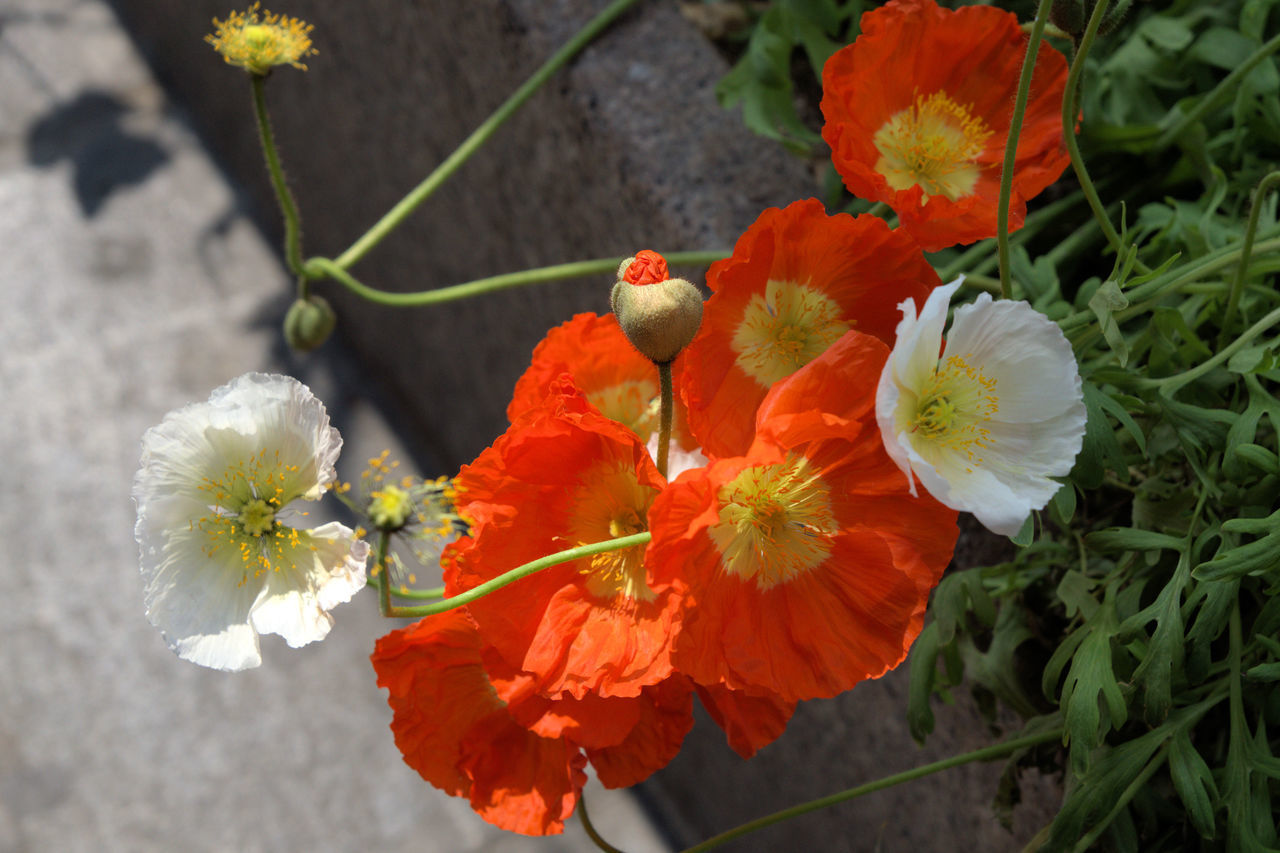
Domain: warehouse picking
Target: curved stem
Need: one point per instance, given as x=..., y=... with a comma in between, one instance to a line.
x=1237, y=284
x=520, y=572
x=1011, y=146
x=320, y=267
x=986, y=753
x=1070, y=109
x=1123, y=800
x=420, y=594
x=288, y=207
x=595, y=837
x=380, y=566
x=664, y=422
x=1220, y=92
x=1169, y=385
x=480, y=135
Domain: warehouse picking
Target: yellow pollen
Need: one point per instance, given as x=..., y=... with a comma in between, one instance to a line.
x=389, y=508
x=782, y=331
x=630, y=403
x=953, y=407
x=613, y=503
x=257, y=43
x=935, y=144
x=775, y=522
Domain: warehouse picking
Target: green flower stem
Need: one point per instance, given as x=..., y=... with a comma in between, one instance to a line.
x=1011, y=146
x=520, y=572
x=664, y=423
x=384, y=582
x=480, y=135
x=1169, y=385
x=1070, y=109
x=595, y=837
x=987, y=753
x=288, y=207
x=1265, y=186
x=420, y=594
x=321, y=267
x=1220, y=93
x=978, y=281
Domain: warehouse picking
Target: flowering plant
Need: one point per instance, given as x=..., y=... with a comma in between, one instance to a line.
x=755, y=499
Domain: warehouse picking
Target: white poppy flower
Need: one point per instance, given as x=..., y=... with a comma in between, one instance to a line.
x=985, y=426
x=221, y=563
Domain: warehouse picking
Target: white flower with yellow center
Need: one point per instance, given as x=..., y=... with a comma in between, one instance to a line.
x=221, y=562
x=985, y=426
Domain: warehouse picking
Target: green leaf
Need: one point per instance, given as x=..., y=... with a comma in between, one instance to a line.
x=922, y=668
x=1100, y=449
x=1026, y=534
x=1062, y=506
x=1165, y=651
x=1257, y=557
x=1193, y=780
x=1092, y=675
x=1171, y=34
x=1074, y=593
x=1131, y=539
x=1104, y=303
x=960, y=593
x=1222, y=47
x=1264, y=672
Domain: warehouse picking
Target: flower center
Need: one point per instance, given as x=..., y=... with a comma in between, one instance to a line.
x=630, y=403
x=955, y=404
x=389, y=507
x=257, y=517
x=933, y=144
x=613, y=503
x=242, y=525
x=775, y=522
x=782, y=331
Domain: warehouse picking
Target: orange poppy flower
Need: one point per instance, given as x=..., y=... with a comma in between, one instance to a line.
x=807, y=561
x=917, y=115
x=750, y=722
x=452, y=728
x=612, y=374
x=798, y=279
x=565, y=475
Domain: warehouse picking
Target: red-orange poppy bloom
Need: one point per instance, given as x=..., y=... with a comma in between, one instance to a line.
x=807, y=561
x=798, y=279
x=562, y=476
x=472, y=725
x=749, y=722
x=452, y=727
x=917, y=115
x=612, y=374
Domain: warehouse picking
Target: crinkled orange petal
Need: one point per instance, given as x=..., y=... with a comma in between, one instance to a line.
x=666, y=716
x=849, y=617
x=750, y=722
x=859, y=263
x=453, y=729
x=620, y=382
x=525, y=497
x=973, y=55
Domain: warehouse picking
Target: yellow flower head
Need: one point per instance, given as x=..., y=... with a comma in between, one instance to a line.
x=257, y=43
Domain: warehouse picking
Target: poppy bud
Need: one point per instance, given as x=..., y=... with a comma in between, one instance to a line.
x=659, y=315
x=309, y=323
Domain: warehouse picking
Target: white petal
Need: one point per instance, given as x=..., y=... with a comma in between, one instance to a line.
x=296, y=599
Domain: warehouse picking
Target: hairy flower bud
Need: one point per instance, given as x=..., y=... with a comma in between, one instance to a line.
x=659, y=315
x=309, y=323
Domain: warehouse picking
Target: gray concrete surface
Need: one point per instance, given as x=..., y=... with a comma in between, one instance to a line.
x=133, y=283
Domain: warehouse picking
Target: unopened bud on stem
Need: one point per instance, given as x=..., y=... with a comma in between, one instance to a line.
x=659, y=315
x=309, y=323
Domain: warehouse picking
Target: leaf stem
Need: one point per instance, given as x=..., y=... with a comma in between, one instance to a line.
x=1123, y=800
x=1265, y=186
x=480, y=135
x=1170, y=134
x=1011, y=146
x=284, y=197
x=519, y=572
x=987, y=753
x=1169, y=385
x=321, y=267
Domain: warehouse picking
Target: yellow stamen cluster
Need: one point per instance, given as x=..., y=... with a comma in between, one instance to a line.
x=244, y=503
x=613, y=503
x=935, y=144
x=632, y=403
x=953, y=407
x=782, y=331
x=776, y=522
x=257, y=43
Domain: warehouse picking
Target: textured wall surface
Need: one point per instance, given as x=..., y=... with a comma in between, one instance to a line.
x=624, y=149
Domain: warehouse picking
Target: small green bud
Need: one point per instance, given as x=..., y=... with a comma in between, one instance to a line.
x=659, y=315
x=309, y=323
